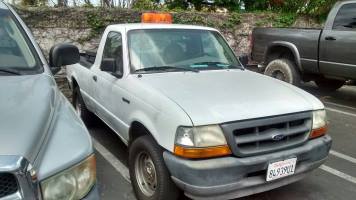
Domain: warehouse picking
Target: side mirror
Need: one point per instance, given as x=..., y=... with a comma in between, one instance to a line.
x=61, y=55
x=109, y=65
x=244, y=60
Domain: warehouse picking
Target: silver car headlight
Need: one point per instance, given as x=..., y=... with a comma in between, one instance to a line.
x=201, y=142
x=71, y=184
x=319, y=124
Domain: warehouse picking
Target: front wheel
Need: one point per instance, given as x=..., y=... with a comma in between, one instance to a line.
x=150, y=178
x=329, y=85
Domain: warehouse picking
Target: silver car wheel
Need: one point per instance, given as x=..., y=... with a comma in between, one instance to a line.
x=145, y=174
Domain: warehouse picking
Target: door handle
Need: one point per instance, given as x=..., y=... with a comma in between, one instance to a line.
x=330, y=38
x=95, y=78
x=125, y=100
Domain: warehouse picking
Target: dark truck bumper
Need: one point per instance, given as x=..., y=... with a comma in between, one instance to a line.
x=232, y=177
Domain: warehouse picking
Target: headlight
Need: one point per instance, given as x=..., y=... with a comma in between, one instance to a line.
x=71, y=184
x=319, y=124
x=201, y=142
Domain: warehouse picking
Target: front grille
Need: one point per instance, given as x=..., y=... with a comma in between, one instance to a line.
x=266, y=135
x=8, y=184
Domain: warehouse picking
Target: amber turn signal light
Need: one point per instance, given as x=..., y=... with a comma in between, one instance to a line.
x=163, y=18
x=318, y=132
x=206, y=152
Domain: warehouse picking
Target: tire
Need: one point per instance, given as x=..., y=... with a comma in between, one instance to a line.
x=329, y=85
x=80, y=107
x=158, y=184
x=284, y=70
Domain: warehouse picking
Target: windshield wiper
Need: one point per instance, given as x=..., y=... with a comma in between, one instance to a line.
x=219, y=63
x=10, y=71
x=165, y=68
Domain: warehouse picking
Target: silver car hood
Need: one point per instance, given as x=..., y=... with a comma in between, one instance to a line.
x=26, y=106
x=212, y=97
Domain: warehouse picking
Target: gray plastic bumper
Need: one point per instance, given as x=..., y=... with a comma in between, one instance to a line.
x=232, y=177
x=93, y=194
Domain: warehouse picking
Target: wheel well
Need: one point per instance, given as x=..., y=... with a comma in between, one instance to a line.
x=74, y=83
x=137, y=130
x=277, y=52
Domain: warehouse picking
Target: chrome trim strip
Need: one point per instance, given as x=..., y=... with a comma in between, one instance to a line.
x=22, y=169
x=309, y=60
x=10, y=163
x=15, y=196
x=336, y=63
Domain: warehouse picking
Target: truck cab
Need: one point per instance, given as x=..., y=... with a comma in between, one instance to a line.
x=193, y=118
x=45, y=149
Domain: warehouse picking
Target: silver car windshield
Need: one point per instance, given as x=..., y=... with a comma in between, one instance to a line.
x=156, y=50
x=16, y=53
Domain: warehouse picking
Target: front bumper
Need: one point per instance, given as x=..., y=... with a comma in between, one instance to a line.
x=232, y=177
x=93, y=194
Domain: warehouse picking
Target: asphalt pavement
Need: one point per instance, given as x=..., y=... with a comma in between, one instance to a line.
x=335, y=180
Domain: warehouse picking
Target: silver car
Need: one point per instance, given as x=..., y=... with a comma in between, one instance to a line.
x=45, y=150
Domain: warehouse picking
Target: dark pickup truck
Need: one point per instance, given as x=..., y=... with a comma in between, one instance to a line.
x=326, y=56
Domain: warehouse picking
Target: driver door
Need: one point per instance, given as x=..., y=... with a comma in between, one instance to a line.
x=108, y=89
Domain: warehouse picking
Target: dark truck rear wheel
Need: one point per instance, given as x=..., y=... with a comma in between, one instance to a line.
x=284, y=70
x=150, y=178
x=329, y=85
x=80, y=108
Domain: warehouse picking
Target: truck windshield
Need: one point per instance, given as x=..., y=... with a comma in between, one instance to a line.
x=16, y=55
x=154, y=50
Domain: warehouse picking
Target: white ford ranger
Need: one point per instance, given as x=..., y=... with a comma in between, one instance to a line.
x=194, y=119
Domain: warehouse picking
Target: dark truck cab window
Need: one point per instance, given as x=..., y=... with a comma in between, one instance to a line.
x=346, y=18
x=17, y=55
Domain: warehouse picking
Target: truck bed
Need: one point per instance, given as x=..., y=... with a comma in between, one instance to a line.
x=306, y=41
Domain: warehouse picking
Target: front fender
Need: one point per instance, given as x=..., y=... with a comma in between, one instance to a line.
x=142, y=118
x=162, y=123
x=68, y=144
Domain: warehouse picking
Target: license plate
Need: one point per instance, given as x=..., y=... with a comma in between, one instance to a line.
x=281, y=169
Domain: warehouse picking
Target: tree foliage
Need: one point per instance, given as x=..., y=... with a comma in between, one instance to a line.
x=314, y=8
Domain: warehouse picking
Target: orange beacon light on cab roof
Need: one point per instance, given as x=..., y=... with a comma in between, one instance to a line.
x=162, y=18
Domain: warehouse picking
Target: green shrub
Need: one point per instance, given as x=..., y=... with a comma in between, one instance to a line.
x=284, y=20
x=315, y=8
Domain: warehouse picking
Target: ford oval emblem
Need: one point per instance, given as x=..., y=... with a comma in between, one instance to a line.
x=278, y=137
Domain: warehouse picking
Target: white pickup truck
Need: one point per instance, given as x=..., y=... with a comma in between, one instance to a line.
x=194, y=119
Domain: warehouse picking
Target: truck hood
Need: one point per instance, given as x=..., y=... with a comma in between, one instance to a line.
x=26, y=105
x=213, y=97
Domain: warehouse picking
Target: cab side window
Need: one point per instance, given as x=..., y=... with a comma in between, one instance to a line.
x=113, y=50
x=346, y=18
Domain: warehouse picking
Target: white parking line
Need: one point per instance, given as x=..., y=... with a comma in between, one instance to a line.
x=119, y=166
x=341, y=112
x=339, y=105
x=343, y=156
x=338, y=173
